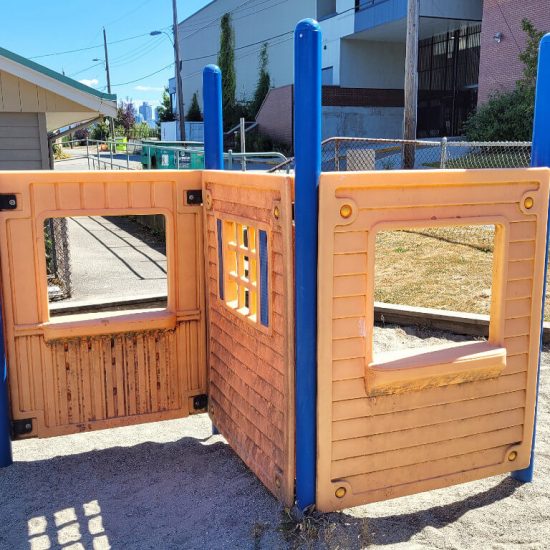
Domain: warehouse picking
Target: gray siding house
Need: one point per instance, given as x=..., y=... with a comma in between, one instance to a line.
x=35, y=102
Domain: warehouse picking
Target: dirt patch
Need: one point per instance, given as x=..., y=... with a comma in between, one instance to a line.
x=444, y=268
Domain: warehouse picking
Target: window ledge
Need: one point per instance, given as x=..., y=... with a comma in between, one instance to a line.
x=112, y=322
x=418, y=369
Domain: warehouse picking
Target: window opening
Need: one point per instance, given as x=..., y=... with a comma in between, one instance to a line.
x=105, y=263
x=442, y=268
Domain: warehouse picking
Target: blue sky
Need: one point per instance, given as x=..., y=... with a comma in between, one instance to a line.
x=36, y=28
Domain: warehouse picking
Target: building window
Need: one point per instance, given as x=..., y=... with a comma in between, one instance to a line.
x=326, y=8
x=243, y=270
x=327, y=76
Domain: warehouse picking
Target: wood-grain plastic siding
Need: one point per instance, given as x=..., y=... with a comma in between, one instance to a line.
x=251, y=367
x=383, y=446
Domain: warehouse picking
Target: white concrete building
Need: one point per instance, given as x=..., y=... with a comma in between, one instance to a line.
x=363, y=60
x=254, y=22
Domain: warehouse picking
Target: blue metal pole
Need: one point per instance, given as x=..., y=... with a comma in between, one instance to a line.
x=213, y=117
x=213, y=126
x=5, y=435
x=540, y=156
x=307, y=154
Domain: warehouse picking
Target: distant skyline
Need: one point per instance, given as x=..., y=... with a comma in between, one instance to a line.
x=43, y=31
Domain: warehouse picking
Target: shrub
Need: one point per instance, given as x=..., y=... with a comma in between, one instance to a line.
x=507, y=116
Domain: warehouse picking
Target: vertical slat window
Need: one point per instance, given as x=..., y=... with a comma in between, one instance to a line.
x=264, y=280
x=221, y=288
x=244, y=270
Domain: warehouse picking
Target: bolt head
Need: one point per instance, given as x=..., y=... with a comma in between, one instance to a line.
x=340, y=492
x=528, y=203
x=346, y=211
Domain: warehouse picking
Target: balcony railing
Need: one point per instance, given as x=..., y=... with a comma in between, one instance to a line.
x=365, y=4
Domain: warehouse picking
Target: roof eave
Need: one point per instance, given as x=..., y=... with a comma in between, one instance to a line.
x=39, y=75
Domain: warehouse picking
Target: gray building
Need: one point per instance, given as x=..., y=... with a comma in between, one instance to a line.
x=146, y=111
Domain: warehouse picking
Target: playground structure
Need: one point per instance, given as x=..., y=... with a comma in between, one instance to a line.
x=269, y=319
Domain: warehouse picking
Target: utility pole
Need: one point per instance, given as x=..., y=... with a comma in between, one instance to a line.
x=411, y=82
x=112, y=121
x=179, y=87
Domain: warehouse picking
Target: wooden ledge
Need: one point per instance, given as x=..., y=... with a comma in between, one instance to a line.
x=108, y=322
x=418, y=369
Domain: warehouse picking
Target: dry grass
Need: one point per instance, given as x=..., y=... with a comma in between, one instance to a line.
x=443, y=268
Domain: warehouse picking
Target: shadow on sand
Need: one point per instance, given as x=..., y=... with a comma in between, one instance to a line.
x=190, y=493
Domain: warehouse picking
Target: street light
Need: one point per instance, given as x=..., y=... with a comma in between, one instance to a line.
x=106, y=61
x=111, y=119
x=158, y=33
x=179, y=86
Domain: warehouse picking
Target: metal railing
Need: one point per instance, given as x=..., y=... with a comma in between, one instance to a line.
x=103, y=154
x=270, y=158
x=341, y=154
x=108, y=158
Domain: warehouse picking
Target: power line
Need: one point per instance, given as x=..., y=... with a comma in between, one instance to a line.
x=143, y=77
x=256, y=11
x=93, y=47
x=247, y=54
x=199, y=72
x=86, y=69
x=508, y=25
x=241, y=47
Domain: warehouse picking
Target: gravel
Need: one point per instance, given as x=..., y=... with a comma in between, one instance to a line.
x=172, y=485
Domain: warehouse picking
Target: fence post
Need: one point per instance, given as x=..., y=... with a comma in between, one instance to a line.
x=5, y=424
x=88, y=152
x=443, y=160
x=213, y=117
x=307, y=139
x=243, y=143
x=230, y=159
x=540, y=156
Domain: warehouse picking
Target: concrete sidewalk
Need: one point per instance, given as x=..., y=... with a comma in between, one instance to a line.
x=114, y=258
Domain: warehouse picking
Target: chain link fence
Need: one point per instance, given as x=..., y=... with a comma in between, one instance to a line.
x=357, y=154
x=58, y=259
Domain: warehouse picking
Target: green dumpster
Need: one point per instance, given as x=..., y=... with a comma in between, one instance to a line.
x=169, y=155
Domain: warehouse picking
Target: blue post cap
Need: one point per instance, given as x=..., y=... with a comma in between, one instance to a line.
x=308, y=25
x=211, y=69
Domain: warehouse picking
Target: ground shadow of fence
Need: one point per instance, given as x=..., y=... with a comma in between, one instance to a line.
x=184, y=494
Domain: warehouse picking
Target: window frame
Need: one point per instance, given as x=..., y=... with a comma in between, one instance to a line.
x=74, y=325
x=498, y=284
x=230, y=277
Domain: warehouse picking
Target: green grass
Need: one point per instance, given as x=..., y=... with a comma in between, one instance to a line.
x=485, y=160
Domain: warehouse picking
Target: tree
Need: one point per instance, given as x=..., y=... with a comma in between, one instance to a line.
x=126, y=115
x=165, y=112
x=226, y=62
x=100, y=131
x=508, y=116
x=530, y=55
x=264, y=81
x=194, y=113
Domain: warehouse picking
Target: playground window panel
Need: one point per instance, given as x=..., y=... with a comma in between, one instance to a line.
x=243, y=270
x=100, y=264
x=441, y=267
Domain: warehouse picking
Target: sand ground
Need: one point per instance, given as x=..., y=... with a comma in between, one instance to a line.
x=172, y=485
